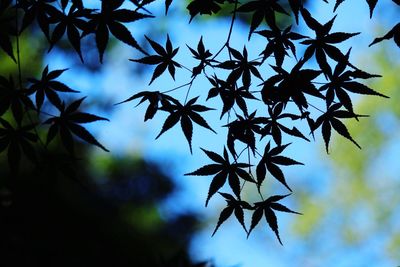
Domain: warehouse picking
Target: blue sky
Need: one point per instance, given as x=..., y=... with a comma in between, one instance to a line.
x=127, y=133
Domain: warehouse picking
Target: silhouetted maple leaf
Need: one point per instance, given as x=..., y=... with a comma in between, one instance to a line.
x=47, y=86
x=229, y=95
x=270, y=161
x=203, y=55
x=154, y=99
x=185, y=114
x=16, y=139
x=205, y=7
x=296, y=6
x=274, y=128
x=110, y=19
x=7, y=28
x=291, y=85
x=241, y=67
x=393, y=33
x=341, y=81
x=322, y=46
x=278, y=42
x=234, y=206
x=13, y=97
x=39, y=10
x=267, y=208
x=71, y=22
x=243, y=129
x=331, y=119
x=67, y=123
x=223, y=170
x=261, y=9
x=163, y=60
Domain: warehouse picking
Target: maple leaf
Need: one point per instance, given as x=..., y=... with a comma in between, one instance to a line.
x=7, y=28
x=331, y=119
x=260, y=10
x=229, y=95
x=233, y=206
x=163, y=60
x=243, y=129
x=72, y=23
x=322, y=46
x=205, y=7
x=185, y=114
x=110, y=19
x=274, y=128
x=241, y=67
x=278, y=42
x=270, y=161
x=393, y=33
x=267, y=208
x=17, y=139
x=154, y=99
x=341, y=81
x=47, y=86
x=67, y=123
x=14, y=98
x=223, y=170
x=38, y=10
x=203, y=55
x=291, y=85
x=296, y=6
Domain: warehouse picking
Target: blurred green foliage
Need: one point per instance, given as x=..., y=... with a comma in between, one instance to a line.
x=362, y=202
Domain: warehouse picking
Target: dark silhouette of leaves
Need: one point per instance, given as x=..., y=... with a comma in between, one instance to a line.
x=205, y=7
x=47, y=86
x=229, y=95
x=17, y=139
x=267, y=207
x=331, y=119
x=39, y=10
x=203, y=55
x=274, y=128
x=243, y=129
x=322, y=45
x=185, y=114
x=229, y=71
x=342, y=81
x=278, y=42
x=67, y=123
x=163, y=60
x=223, y=170
x=14, y=98
x=270, y=161
x=260, y=10
x=154, y=99
x=241, y=67
x=291, y=85
x=7, y=28
x=72, y=23
x=233, y=206
x=110, y=19
x=393, y=33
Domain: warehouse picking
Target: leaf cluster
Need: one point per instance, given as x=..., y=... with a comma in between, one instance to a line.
x=266, y=99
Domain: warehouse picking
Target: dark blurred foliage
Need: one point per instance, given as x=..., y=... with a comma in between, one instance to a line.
x=108, y=216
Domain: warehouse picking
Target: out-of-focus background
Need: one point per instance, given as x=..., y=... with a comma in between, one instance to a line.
x=134, y=207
